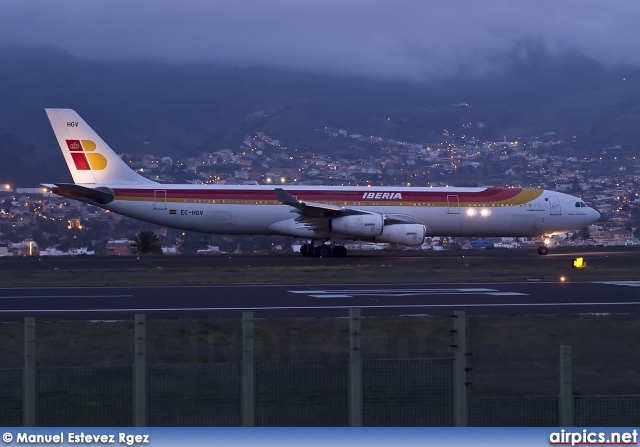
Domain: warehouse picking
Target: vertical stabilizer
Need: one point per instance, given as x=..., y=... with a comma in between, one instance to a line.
x=89, y=158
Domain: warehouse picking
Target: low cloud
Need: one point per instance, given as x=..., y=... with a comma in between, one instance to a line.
x=400, y=39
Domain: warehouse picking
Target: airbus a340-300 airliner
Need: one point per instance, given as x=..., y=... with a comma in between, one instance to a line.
x=325, y=215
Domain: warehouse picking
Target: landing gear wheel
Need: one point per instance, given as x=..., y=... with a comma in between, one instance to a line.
x=322, y=251
x=339, y=251
x=542, y=250
x=306, y=250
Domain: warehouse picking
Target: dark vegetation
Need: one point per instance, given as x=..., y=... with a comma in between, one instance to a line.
x=146, y=242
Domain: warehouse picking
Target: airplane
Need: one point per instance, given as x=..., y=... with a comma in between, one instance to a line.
x=325, y=215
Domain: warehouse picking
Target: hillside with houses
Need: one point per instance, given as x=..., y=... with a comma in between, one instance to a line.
x=34, y=221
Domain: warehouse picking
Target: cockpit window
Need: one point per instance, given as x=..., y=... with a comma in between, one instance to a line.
x=580, y=205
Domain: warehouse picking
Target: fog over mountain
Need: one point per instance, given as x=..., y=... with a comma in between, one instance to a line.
x=396, y=40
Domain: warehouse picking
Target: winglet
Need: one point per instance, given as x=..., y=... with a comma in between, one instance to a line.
x=308, y=208
x=286, y=198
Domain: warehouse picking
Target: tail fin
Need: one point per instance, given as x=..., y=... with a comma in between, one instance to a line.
x=89, y=158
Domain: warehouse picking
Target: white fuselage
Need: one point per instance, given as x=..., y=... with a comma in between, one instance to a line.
x=254, y=210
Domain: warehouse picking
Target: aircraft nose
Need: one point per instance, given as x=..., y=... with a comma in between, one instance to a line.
x=593, y=215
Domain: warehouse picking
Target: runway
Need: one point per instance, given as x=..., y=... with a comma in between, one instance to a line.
x=295, y=297
x=319, y=300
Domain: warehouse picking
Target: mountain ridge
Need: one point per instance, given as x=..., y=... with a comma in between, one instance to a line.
x=184, y=109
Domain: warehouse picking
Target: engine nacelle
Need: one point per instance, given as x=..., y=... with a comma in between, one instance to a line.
x=361, y=225
x=403, y=234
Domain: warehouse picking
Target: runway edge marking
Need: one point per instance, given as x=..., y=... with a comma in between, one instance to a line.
x=399, y=292
x=619, y=283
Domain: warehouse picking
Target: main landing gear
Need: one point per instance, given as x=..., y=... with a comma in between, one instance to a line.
x=543, y=250
x=323, y=251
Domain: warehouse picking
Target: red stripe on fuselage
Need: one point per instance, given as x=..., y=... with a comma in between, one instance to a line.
x=487, y=195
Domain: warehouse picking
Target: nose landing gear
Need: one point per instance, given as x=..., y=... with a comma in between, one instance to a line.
x=543, y=249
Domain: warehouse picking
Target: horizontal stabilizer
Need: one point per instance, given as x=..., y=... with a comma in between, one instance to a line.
x=101, y=194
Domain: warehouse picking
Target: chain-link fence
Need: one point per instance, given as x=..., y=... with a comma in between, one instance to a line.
x=205, y=395
x=241, y=391
x=524, y=411
x=607, y=411
x=408, y=392
x=303, y=394
x=396, y=393
x=10, y=397
x=84, y=397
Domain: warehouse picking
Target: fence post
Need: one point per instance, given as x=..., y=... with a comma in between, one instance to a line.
x=140, y=385
x=356, y=397
x=29, y=375
x=566, y=401
x=460, y=397
x=248, y=372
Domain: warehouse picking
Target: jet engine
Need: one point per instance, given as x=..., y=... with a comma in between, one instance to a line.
x=403, y=234
x=360, y=225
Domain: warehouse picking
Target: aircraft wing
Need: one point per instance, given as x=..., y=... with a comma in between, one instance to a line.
x=315, y=210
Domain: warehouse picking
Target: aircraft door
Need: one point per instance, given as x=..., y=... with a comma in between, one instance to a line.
x=554, y=202
x=160, y=199
x=453, y=205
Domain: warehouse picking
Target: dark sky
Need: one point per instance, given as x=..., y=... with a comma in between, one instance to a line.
x=394, y=39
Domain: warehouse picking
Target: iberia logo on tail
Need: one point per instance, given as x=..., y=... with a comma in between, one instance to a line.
x=83, y=156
